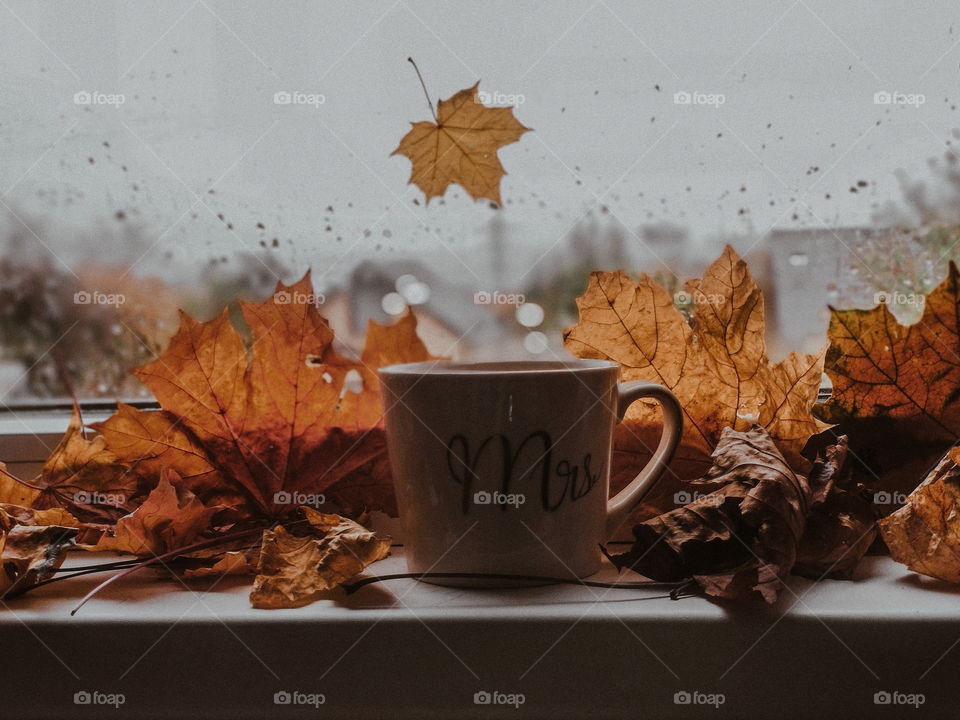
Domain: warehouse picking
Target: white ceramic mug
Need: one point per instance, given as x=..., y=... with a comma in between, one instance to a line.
x=504, y=467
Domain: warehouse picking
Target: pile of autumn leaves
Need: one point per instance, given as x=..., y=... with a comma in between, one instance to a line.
x=254, y=420
x=775, y=488
x=204, y=485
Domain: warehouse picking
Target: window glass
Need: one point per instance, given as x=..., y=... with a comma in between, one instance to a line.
x=164, y=155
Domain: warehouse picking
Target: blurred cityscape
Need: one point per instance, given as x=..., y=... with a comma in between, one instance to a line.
x=801, y=271
x=94, y=321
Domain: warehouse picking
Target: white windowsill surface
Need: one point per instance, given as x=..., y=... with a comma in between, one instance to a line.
x=405, y=649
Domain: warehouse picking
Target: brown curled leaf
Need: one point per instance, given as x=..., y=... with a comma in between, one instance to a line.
x=30, y=554
x=924, y=534
x=300, y=561
x=742, y=538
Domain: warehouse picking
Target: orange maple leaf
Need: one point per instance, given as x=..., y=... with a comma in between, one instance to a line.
x=80, y=478
x=169, y=518
x=907, y=373
x=461, y=146
x=896, y=388
x=716, y=364
x=254, y=428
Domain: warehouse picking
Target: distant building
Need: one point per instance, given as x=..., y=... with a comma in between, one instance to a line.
x=665, y=247
x=809, y=270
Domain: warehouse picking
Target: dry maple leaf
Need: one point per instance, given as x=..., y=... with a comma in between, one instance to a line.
x=896, y=387
x=924, y=534
x=298, y=563
x=23, y=515
x=231, y=562
x=250, y=427
x=30, y=554
x=908, y=372
x=461, y=146
x=838, y=533
x=170, y=517
x=716, y=364
x=13, y=491
x=741, y=538
x=81, y=476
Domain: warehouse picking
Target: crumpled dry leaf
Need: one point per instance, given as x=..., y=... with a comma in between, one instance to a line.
x=232, y=562
x=840, y=529
x=23, y=515
x=742, y=537
x=85, y=478
x=924, y=534
x=171, y=517
x=250, y=428
x=716, y=364
x=895, y=387
x=837, y=536
x=302, y=560
x=461, y=147
x=30, y=553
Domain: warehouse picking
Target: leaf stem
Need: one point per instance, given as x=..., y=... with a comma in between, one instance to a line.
x=19, y=481
x=97, y=566
x=352, y=587
x=76, y=572
x=160, y=558
x=424, y=86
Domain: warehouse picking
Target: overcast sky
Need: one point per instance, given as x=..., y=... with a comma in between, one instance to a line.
x=198, y=133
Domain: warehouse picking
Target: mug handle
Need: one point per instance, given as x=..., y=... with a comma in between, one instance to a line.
x=620, y=505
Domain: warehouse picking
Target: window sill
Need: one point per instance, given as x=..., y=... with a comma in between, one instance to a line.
x=406, y=649
x=30, y=431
